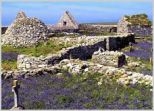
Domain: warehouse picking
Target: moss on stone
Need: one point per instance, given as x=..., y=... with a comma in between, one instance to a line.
x=139, y=19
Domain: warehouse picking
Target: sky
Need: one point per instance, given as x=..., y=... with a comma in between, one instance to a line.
x=83, y=12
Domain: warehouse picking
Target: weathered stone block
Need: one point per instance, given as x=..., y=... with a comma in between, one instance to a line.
x=109, y=58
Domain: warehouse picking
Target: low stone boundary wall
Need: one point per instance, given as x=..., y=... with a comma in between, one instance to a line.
x=115, y=43
x=30, y=62
x=98, y=28
x=54, y=29
x=82, y=52
x=75, y=66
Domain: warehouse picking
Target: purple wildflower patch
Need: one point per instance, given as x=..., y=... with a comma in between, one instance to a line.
x=144, y=45
x=143, y=54
x=144, y=51
x=52, y=92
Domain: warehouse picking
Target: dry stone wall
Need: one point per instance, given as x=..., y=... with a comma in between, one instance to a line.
x=82, y=52
x=109, y=58
x=29, y=62
x=98, y=28
x=75, y=66
x=115, y=43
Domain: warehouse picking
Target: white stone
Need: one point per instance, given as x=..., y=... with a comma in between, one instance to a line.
x=28, y=66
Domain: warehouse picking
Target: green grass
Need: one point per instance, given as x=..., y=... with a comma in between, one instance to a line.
x=9, y=65
x=38, y=105
x=64, y=99
x=50, y=46
x=147, y=65
x=128, y=48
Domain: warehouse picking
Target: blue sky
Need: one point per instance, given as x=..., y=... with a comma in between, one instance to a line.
x=83, y=12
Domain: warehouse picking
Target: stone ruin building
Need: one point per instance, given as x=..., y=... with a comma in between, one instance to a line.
x=138, y=24
x=67, y=21
x=25, y=31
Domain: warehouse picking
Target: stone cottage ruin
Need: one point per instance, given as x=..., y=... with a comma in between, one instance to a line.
x=25, y=31
x=138, y=24
x=67, y=21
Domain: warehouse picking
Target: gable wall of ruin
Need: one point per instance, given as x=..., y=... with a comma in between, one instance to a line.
x=125, y=27
x=67, y=22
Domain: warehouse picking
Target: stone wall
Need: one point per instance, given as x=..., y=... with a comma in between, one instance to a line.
x=106, y=28
x=57, y=29
x=78, y=52
x=30, y=62
x=82, y=52
x=116, y=43
x=75, y=66
x=109, y=58
x=98, y=28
